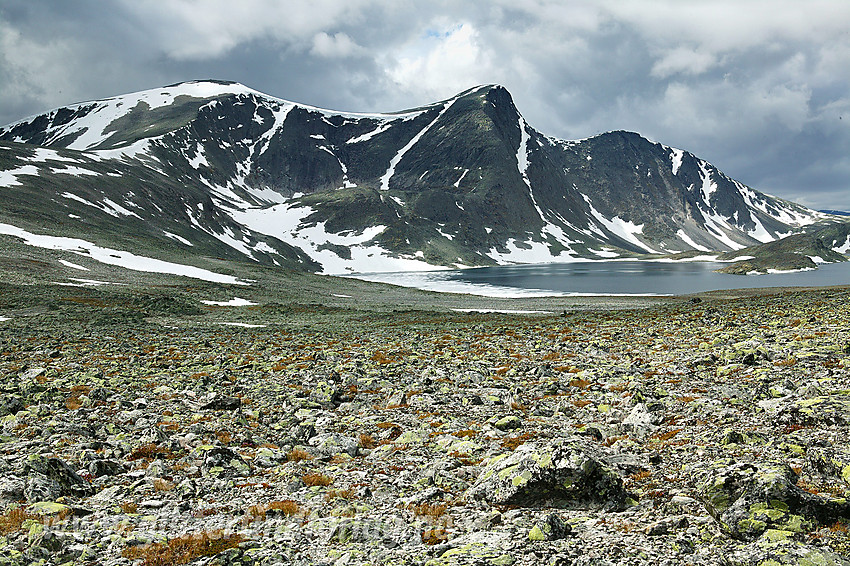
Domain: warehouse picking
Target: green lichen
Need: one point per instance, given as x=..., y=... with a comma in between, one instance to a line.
x=797, y=524
x=522, y=479
x=536, y=533
x=751, y=525
x=507, y=472
x=776, y=535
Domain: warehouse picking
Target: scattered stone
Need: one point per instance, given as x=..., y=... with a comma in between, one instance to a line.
x=329, y=444
x=397, y=399
x=133, y=436
x=552, y=527
x=218, y=402
x=640, y=421
x=665, y=526
x=509, y=422
x=10, y=404
x=224, y=462
x=823, y=410
x=48, y=478
x=105, y=467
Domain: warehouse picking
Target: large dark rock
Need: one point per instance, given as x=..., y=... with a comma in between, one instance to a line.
x=10, y=404
x=224, y=462
x=567, y=473
x=749, y=499
x=48, y=478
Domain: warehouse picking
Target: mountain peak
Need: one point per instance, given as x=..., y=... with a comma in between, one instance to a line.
x=205, y=81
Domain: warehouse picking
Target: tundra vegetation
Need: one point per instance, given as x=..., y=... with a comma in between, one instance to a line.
x=687, y=431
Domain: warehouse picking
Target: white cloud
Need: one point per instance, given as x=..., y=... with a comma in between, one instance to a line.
x=194, y=29
x=336, y=45
x=441, y=63
x=717, y=77
x=724, y=25
x=683, y=60
x=34, y=72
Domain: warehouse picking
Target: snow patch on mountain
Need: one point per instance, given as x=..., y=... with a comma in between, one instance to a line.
x=73, y=265
x=718, y=227
x=527, y=251
x=141, y=147
x=760, y=233
x=385, y=179
x=709, y=187
x=199, y=158
x=279, y=113
x=369, y=135
x=108, y=206
x=75, y=171
x=290, y=223
x=676, y=159
x=522, y=164
x=180, y=239
x=115, y=257
x=234, y=302
x=685, y=238
x=845, y=248
x=43, y=154
x=9, y=177
x=624, y=229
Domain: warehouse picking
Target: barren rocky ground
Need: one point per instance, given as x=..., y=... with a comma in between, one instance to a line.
x=150, y=428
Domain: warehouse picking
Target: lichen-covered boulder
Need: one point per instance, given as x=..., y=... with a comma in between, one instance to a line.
x=749, y=499
x=777, y=549
x=829, y=461
x=330, y=444
x=833, y=409
x=491, y=548
x=569, y=472
x=221, y=461
x=10, y=404
x=48, y=478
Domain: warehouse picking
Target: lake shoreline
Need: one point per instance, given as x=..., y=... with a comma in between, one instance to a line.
x=617, y=278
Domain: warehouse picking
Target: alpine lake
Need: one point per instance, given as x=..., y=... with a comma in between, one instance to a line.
x=607, y=278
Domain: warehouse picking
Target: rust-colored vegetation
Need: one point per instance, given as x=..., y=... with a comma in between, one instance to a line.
x=313, y=480
x=183, y=549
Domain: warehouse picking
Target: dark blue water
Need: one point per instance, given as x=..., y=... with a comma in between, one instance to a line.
x=640, y=277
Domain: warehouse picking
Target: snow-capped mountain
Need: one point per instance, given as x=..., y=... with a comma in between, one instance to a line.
x=219, y=169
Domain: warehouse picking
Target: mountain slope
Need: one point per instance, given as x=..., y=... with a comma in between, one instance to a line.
x=465, y=181
x=826, y=244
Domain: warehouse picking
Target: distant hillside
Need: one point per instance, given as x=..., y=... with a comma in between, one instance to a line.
x=828, y=244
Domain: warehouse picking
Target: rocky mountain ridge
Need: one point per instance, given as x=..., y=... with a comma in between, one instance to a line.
x=216, y=168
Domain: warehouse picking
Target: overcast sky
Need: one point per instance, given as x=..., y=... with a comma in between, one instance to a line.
x=761, y=88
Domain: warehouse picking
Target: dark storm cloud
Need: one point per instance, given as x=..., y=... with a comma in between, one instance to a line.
x=759, y=88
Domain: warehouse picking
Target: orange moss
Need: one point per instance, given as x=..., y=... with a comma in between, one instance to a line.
x=297, y=455
x=339, y=494
x=183, y=549
x=312, y=480
x=433, y=537
x=150, y=452
x=12, y=521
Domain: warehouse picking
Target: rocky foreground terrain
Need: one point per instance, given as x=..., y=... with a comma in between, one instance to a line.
x=154, y=430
